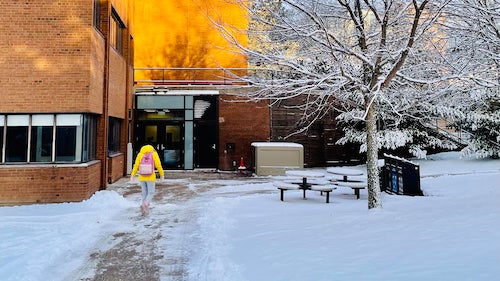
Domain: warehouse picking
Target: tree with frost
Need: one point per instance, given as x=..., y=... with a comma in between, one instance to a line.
x=474, y=28
x=379, y=62
x=483, y=123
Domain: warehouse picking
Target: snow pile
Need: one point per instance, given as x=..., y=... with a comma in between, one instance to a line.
x=45, y=242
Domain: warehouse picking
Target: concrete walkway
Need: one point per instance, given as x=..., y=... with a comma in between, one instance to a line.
x=136, y=255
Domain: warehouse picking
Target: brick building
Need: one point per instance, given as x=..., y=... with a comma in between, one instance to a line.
x=185, y=100
x=319, y=140
x=85, y=83
x=72, y=116
x=183, y=64
x=66, y=82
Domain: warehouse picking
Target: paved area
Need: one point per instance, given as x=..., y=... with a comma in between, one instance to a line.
x=135, y=255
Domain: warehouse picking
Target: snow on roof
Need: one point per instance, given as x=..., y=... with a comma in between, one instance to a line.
x=276, y=144
x=398, y=158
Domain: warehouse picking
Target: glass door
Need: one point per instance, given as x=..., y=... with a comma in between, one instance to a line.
x=173, y=146
x=167, y=138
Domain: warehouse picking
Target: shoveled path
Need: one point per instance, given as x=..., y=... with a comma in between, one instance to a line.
x=136, y=255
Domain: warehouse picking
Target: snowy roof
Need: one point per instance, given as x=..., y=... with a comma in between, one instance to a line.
x=398, y=158
x=279, y=144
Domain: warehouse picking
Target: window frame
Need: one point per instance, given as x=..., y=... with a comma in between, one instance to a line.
x=3, y=126
x=114, y=135
x=89, y=145
x=16, y=124
x=84, y=127
x=41, y=124
x=116, y=32
x=96, y=18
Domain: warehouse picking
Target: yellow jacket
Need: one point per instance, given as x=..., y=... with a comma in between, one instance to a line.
x=145, y=149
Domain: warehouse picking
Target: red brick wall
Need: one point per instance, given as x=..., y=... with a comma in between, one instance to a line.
x=46, y=67
x=241, y=123
x=117, y=85
x=97, y=66
x=44, y=184
x=116, y=166
x=54, y=61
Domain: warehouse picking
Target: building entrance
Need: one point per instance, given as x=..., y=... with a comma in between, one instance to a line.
x=183, y=129
x=205, y=144
x=167, y=139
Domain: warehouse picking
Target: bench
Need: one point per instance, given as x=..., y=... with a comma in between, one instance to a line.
x=324, y=188
x=282, y=186
x=356, y=186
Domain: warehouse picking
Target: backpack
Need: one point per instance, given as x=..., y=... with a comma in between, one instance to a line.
x=146, y=166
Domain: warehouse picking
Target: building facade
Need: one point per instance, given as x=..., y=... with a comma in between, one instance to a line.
x=67, y=86
x=319, y=140
x=205, y=127
x=85, y=83
x=182, y=64
x=186, y=102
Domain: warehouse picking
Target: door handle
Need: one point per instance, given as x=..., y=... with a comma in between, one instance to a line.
x=214, y=146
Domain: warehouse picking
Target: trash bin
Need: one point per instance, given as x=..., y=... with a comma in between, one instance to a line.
x=400, y=176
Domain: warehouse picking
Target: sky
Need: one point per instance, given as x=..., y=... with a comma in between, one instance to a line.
x=242, y=231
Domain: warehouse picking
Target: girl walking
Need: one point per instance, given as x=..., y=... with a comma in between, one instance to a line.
x=145, y=163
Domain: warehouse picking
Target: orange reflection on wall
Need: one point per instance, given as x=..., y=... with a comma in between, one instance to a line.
x=180, y=34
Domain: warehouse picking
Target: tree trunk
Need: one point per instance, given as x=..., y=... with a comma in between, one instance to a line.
x=374, y=200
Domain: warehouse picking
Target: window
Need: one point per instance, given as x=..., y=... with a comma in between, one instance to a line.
x=2, y=125
x=205, y=108
x=47, y=138
x=97, y=14
x=65, y=143
x=68, y=137
x=114, y=135
x=89, y=138
x=42, y=128
x=116, y=32
x=16, y=141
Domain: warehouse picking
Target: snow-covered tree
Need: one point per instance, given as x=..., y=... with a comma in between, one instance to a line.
x=474, y=28
x=483, y=123
x=379, y=62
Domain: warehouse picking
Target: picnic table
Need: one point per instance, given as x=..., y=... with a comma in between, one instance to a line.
x=304, y=184
x=304, y=175
x=344, y=172
x=347, y=179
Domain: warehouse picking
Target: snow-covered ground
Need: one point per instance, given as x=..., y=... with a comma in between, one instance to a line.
x=244, y=232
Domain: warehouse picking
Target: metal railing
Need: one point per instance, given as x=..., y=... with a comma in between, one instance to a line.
x=182, y=76
x=446, y=128
x=459, y=135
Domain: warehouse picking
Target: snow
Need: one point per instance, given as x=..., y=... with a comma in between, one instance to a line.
x=276, y=144
x=304, y=173
x=244, y=232
x=44, y=242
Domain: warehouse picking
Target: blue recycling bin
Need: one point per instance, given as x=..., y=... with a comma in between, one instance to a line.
x=400, y=176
